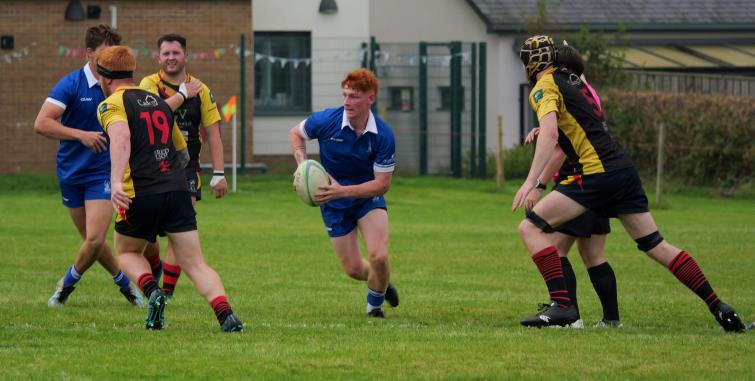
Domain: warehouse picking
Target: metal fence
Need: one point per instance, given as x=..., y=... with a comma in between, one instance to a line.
x=430, y=97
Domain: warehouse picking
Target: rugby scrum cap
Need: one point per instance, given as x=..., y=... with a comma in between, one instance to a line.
x=537, y=53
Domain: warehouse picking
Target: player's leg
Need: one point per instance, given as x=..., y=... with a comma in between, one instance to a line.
x=592, y=251
x=347, y=250
x=99, y=213
x=206, y=280
x=374, y=228
x=129, y=250
x=171, y=269
x=170, y=264
x=564, y=243
x=181, y=228
x=73, y=200
x=643, y=229
x=152, y=255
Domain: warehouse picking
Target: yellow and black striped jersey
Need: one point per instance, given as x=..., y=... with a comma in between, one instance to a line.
x=153, y=165
x=193, y=113
x=582, y=129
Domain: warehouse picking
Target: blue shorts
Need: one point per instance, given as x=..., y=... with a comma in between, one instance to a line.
x=74, y=195
x=340, y=222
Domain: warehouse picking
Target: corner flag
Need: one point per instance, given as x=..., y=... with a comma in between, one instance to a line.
x=229, y=109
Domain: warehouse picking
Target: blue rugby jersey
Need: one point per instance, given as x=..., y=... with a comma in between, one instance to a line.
x=78, y=93
x=349, y=158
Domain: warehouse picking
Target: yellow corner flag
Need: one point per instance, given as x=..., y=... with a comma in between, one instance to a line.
x=229, y=109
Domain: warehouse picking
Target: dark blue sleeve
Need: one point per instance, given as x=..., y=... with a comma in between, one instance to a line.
x=385, y=157
x=64, y=91
x=315, y=124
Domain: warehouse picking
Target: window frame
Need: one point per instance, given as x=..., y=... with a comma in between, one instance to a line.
x=296, y=110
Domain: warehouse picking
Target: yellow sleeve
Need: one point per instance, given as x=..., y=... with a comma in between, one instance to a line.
x=178, y=138
x=149, y=83
x=545, y=98
x=111, y=110
x=209, y=108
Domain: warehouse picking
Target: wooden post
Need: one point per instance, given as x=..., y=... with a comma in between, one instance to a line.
x=499, y=155
x=659, y=168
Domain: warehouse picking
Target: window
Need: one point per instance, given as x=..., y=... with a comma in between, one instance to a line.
x=282, y=73
x=445, y=98
x=402, y=98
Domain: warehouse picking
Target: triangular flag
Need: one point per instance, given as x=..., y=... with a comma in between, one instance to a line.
x=229, y=109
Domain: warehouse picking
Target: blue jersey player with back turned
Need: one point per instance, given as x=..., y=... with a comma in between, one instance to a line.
x=69, y=114
x=357, y=149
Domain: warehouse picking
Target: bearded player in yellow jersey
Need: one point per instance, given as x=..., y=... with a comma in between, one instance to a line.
x=148, y=187
x=197, y=116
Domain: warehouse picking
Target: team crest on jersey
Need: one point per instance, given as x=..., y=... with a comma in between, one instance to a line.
x=212, y=97
x=538, y=95
x=148, y=101
x=102, y=108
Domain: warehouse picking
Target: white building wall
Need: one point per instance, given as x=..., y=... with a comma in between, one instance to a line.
x=336, y=45
x=449, y=20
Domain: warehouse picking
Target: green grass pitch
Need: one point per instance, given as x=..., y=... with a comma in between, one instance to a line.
x=463, y=274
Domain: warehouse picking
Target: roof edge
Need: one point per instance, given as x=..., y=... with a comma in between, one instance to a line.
x=613, y=27
x=485, y=19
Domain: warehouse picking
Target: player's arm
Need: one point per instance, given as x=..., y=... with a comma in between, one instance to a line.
x=556, y=161
x=218, y=183
x=120, y=151
x=47, y=125
x=377, y=187
x=546, y=140
x=179, y=143
x=298, y=143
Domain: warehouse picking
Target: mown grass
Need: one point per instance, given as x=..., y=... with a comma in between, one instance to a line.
x=464, y=277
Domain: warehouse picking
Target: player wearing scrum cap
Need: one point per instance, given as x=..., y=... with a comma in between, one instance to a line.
x=605, y=181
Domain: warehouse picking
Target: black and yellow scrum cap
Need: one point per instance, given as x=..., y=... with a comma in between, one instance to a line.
x=537, y=53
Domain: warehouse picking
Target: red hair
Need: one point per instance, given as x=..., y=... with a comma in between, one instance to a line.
x=361, y=80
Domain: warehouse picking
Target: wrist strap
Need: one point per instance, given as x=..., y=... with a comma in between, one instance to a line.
x=540, y=185
x=218, y=173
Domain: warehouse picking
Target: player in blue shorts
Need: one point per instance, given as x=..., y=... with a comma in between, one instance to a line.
x=605, y=181
x=357, y=149
x=69, y=114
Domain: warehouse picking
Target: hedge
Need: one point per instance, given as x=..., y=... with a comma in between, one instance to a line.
x=710, y=139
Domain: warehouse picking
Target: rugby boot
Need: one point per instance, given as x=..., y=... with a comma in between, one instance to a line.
x=377, y=313
x=391, y=295
x=232, y=324
x=61, y=294
x=552, y=314
x=728, y=318
x=155, y=310
x=605, y=323
x=133, y=295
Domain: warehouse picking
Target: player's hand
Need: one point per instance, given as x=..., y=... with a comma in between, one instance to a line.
x=521, y=195
x=329, y=192
x=219, y=186
x=119, y=198
x=96, y=141
x=532, y=136
x=532, y=198
x=193, y=87
x=297, y=179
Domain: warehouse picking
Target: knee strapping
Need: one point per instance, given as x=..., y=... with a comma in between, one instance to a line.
x=649, y=242
x=539, y=222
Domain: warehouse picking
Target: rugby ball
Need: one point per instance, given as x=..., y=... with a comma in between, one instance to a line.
x=308, y=177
